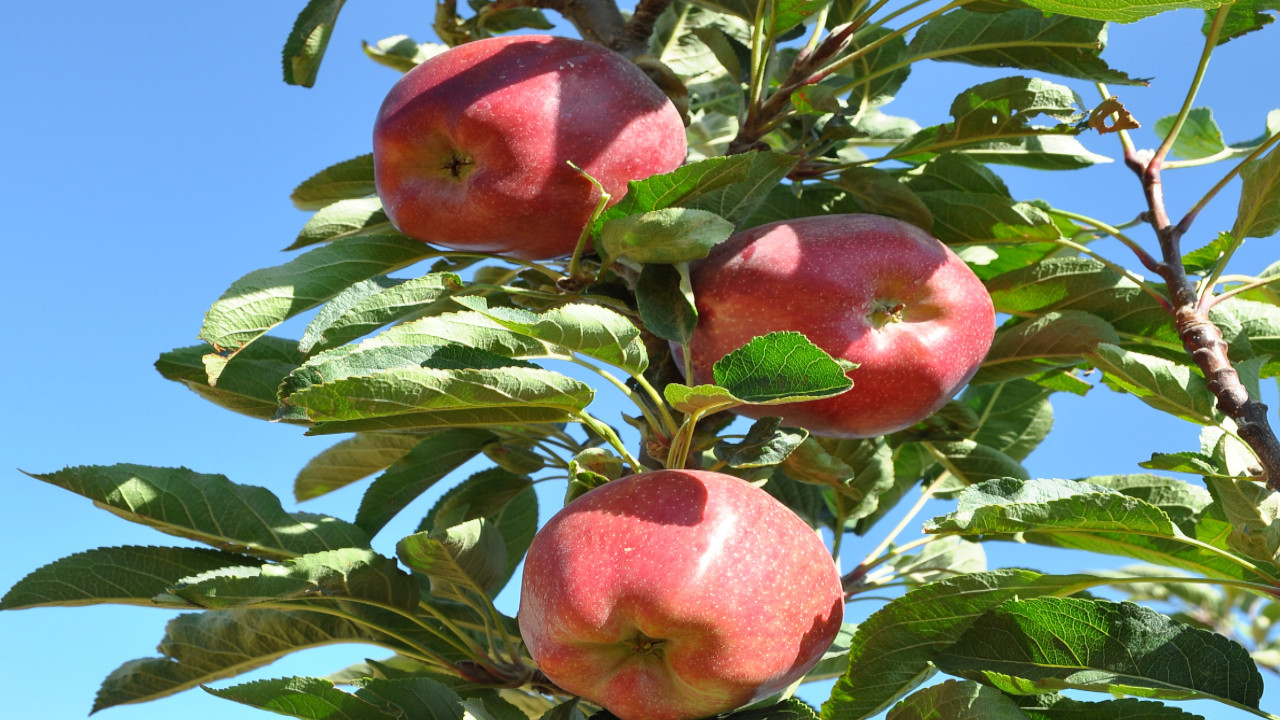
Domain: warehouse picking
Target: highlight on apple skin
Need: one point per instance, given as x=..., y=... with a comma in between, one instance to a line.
x=472, y=147
x=870, y=289
x=677, y=594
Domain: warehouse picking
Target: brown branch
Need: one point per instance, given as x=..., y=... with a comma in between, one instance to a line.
x=602, y=23
x=804, y=71
x=1200, y=337
x=640, y=27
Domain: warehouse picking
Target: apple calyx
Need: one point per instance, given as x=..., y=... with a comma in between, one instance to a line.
x=642, y=644
x=885, y=312
x=458, y=164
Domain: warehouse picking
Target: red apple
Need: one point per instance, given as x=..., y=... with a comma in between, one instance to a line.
x=471, y=148
x=870, y=289
x=677, y=594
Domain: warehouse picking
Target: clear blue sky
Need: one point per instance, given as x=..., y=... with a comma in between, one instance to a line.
x=148, y=151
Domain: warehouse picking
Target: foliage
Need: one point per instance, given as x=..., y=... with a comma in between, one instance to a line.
x=426, y=360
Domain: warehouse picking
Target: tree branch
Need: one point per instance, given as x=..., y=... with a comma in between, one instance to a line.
x=602, y=23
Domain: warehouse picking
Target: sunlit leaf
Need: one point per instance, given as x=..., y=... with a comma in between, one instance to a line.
x=892, y=651
x=1056, y=643
x=305, y=47
x=122, y=575
x=1026, y=39
x=349, y=573
x=265, y=298
x=346, y=180
x=207, y=508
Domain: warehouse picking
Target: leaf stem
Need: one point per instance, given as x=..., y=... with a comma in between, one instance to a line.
x=610, y=437
x=1144, y=257
x=850, y=580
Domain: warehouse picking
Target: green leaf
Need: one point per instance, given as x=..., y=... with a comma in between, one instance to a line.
x=892, y=651
x=430, y=460
x=346, y=180
x=265, y=298
x=1244, y=16
x=1056, y=643
x=406, y=390
x=344, y=218
x=1203, y=260
x=669, y=235
x=199, y=648
x=582, y=328
x=301, y=697
x=419, y=422
x=681, y=186
x=438, y=341
x=971, y=462
x=1122, y=11
x=505, y=499
x=305, y=47
x=1054, y=339
x=861, y=470
x=349, y=460
x=881, y=193
x=247, y=383
x=1026, y=39
x=789, y=709
x=943, y=558
x=765, y=444
x=1258, y=214
x=1084, y=284
x=374, y=303
x=1254, y=514
x=207, y=508
x=411, y=697
x=973, y=211
x=736, y=202
x=401, y=53
x=993, y=122
x=349, y=573
x=664, y=297
x=699, y=398
x=957, y=700
x=1200, y=136
x=790, y=13
x=128, y=575
x=1056, y=707
x=1087, y=516
x=1180, y=500
x=780, y=367
x=876, y=76
x=470, y=557
x=1164, y=385
x=1015, y=416
x=1186, y=462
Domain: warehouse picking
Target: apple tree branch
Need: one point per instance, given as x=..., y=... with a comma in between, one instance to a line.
x=1201, y=338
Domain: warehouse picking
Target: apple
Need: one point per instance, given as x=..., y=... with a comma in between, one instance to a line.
x=677, y=594
x=471, y=149
x=866, y=288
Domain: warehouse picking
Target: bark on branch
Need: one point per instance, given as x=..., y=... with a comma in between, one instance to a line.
x=1200, y=337
x=601, y=22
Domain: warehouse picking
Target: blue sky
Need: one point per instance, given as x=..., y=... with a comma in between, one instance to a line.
x=149, y=149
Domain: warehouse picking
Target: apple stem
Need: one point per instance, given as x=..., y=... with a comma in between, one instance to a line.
x=577, y=279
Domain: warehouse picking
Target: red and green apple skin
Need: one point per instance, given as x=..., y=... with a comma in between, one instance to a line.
x=866, y=288
x=472, y=147
x=677, y=594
